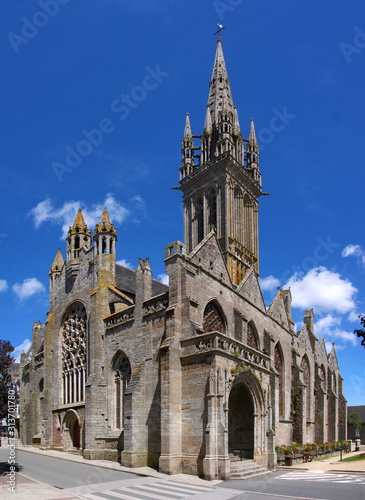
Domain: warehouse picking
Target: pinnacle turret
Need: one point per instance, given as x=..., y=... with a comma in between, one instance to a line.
x=252, y=138
x=78, y=236
x=105, y=225
x=58, y=262
x=187, y=131
x=79, y=224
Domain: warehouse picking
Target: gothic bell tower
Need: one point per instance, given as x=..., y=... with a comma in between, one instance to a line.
x=220, y=179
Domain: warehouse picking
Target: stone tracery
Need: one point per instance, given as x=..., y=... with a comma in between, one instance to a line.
x=74, y=354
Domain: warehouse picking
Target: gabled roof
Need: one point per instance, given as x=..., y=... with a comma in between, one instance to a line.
x=126, y=281
x=249, y=288
x=209, y=256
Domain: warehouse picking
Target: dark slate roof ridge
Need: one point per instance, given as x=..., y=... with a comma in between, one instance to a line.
x=360, y=409
x=127, y=281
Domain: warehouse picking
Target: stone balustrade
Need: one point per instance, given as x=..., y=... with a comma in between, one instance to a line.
x=120, y=318
x=156, y=304
x=218, y=342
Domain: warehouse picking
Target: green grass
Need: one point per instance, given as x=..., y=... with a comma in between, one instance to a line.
x=356, y=457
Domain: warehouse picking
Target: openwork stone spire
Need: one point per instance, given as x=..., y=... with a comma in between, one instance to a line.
x=220, y=97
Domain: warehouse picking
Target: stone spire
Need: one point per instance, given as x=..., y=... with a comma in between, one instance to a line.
x=252, y=154
x=79, y=222
x=222, y=188
x=187, y=131
x=187, y=150
x=208, y=122
x=105, y=225
x=220, y=97
x=252, y=137
x=57, y=263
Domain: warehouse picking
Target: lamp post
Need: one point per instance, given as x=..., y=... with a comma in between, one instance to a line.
x=341, y=422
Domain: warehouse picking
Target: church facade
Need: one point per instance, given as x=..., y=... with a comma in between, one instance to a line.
x=187, y=376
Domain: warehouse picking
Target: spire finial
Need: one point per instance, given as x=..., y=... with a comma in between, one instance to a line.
x=218, y=32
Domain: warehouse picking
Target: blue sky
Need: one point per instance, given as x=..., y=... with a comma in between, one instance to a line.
x=123, y=74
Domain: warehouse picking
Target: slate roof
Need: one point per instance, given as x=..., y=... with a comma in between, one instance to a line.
x=126, y=281
x=357, y=409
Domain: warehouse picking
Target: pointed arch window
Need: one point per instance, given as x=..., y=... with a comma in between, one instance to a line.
x=322, y=376
x=213, y=319
x=252, y=337
x=122, y=375
x=278, y=361
x=247, y=222
x=212, y=207
x=74, y=354
x=237, y=214
x=199, y=214
x=304, y=365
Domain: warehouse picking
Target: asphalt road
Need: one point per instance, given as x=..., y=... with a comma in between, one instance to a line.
x=303, y=485
x=64, y=474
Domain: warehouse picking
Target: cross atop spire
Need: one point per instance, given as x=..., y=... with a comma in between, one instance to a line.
x=218, y=32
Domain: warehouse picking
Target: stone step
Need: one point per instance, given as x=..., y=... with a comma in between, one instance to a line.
x=243, y=469
x=251, y=467
x=249, y=475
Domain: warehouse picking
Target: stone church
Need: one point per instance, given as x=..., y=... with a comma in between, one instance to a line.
x=183, y=377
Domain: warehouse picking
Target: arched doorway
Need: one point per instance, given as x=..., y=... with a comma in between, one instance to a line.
x=71, y=431
x=241, y=422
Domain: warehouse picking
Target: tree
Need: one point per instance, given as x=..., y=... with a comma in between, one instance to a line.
x=6, y=359
x=355, y=422
x=361, y=331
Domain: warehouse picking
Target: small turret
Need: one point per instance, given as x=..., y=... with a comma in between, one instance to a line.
x=309, y=319
x=187, y=150
x=105, y=238
x=78, y=237
x=252, y=155
x=56, y=269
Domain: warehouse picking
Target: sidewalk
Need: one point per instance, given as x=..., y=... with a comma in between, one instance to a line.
x=334, y=464
x=34, y=490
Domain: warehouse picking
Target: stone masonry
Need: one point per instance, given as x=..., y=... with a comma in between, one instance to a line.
x=186, y=376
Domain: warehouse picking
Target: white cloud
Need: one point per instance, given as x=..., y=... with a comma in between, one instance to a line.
x=29, y=287
x=164, y=278
x=24, y=346
x=353, y=317
x=65, y=215
x=269, y=283
x=3, y=285
x=124, y=263
x=329, y=327
x=338, y=347
x=323, y=290
x=354, y=251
